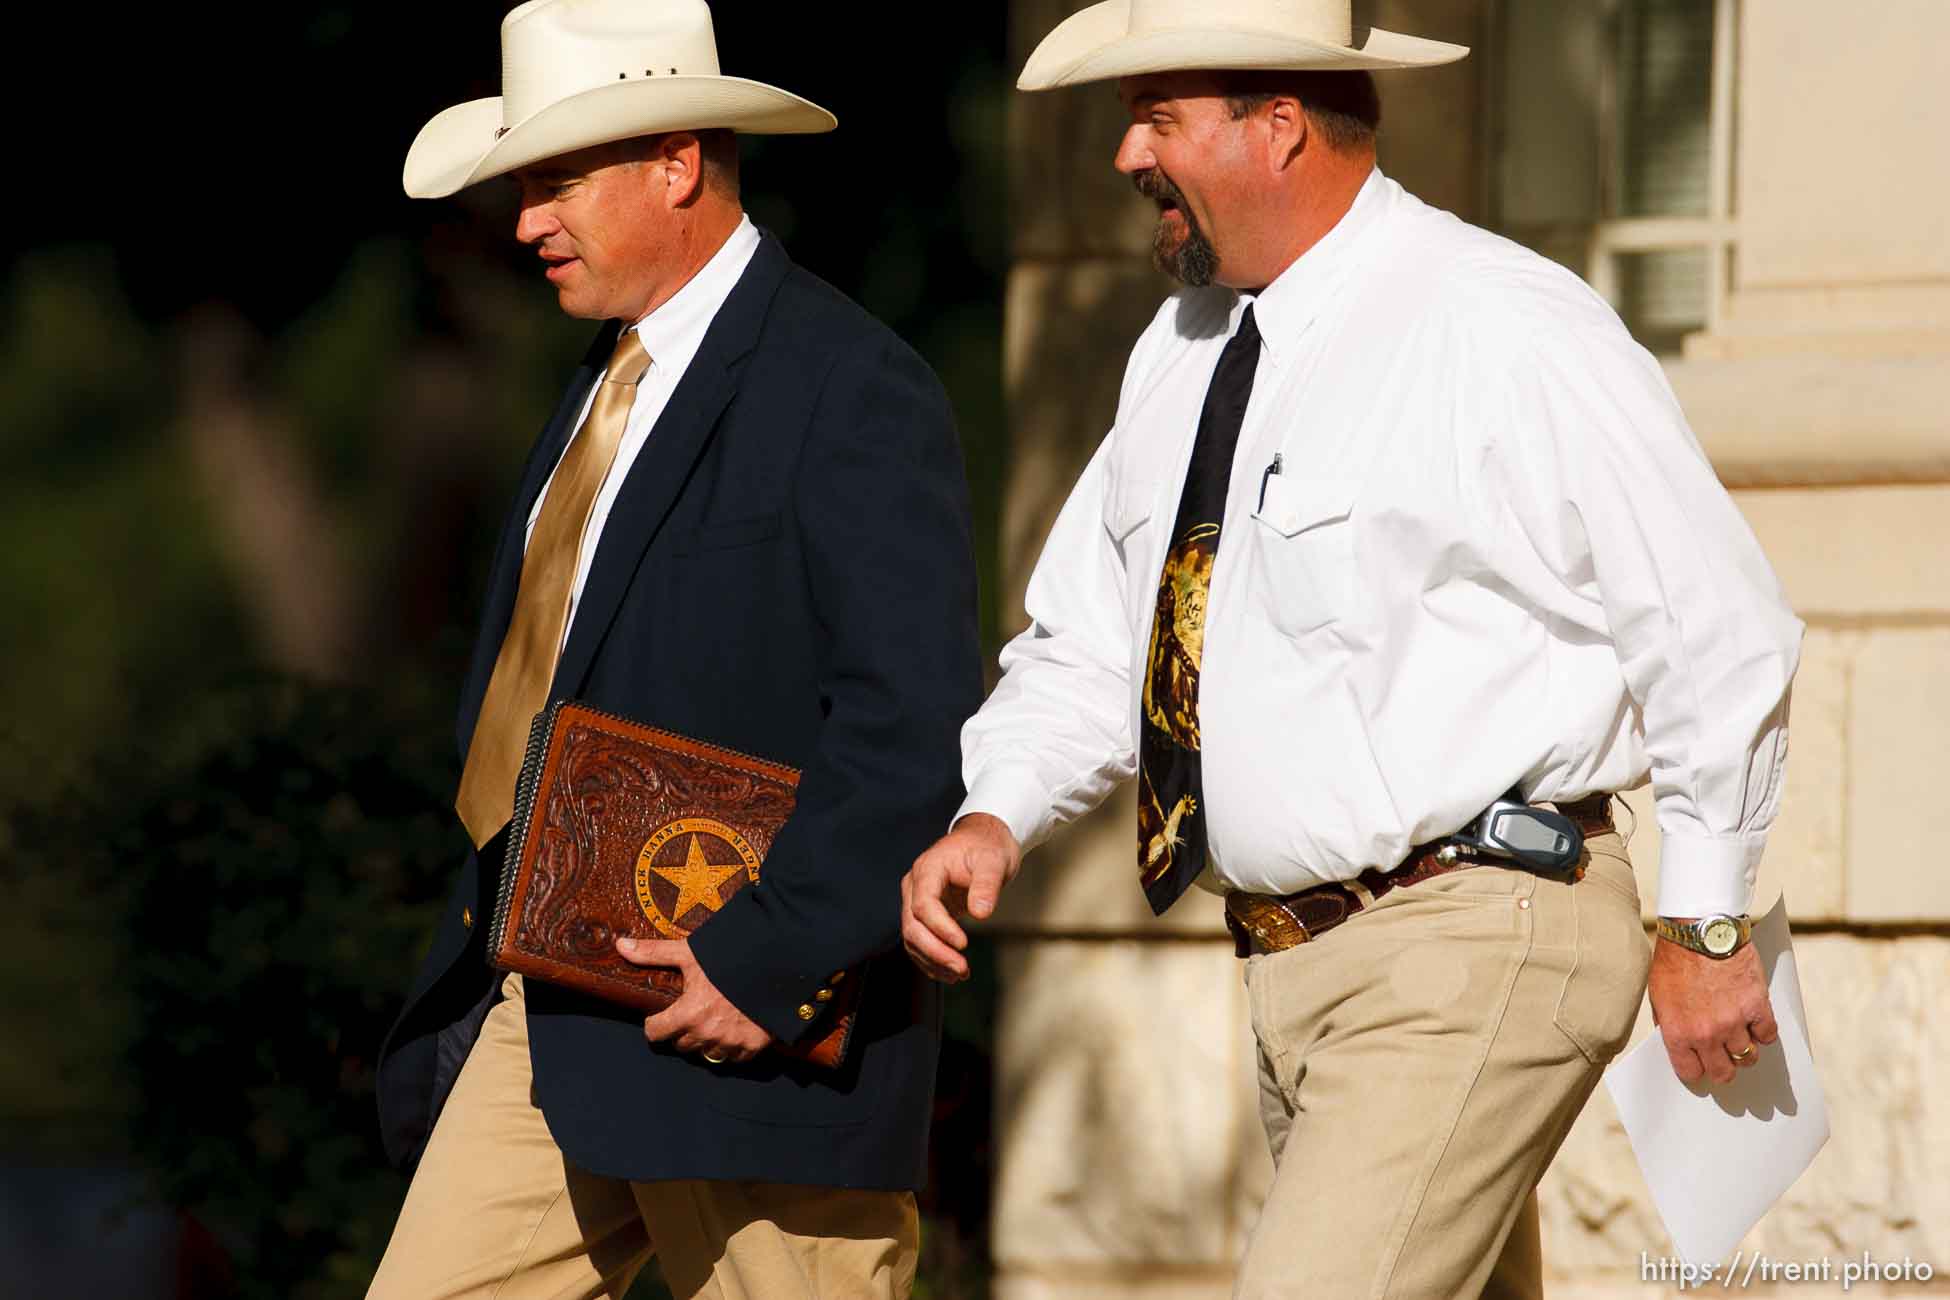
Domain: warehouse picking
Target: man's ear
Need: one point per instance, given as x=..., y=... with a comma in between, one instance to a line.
x=682, y=157
x=1287, y=130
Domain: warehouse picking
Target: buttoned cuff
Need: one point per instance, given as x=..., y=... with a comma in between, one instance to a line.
x=1016, y=796
x=1702, y=875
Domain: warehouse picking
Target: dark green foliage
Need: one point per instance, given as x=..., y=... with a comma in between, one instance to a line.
x=254, y=895
x=265, y=890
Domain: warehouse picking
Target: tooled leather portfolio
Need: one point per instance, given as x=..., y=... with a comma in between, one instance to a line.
x=623, y=830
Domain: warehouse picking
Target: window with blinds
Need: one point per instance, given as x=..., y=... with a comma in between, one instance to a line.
x=1603, y=150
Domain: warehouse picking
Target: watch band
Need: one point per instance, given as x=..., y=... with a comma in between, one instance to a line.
x=1698, y=936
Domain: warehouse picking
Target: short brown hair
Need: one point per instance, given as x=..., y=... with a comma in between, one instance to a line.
x=719, y=147
x=717, y=152
x=1344, y=107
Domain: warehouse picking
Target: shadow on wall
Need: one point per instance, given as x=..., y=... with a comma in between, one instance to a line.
x=1070, y=329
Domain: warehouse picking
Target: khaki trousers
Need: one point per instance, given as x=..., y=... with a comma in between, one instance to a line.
x=495, y=1212
x=1420, y=1065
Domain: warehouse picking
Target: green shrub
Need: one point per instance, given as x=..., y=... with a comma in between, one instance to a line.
x=260, y=889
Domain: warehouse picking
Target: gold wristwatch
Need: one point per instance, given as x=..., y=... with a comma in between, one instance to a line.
x=1711, y=936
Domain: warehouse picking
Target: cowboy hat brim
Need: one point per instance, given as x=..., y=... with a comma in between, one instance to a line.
x=1095, y=44
x=460, y=147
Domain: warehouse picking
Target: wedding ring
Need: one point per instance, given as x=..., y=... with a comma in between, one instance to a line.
x=712, y=1060
x=1743, y=1055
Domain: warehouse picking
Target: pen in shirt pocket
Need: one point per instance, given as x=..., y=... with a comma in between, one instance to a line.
x=1276, y=467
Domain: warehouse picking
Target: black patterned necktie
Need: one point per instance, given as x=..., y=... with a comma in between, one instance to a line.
x=1171, y=798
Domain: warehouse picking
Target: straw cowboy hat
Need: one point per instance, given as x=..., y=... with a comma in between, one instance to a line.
x=576, y=73
x=1121, y=37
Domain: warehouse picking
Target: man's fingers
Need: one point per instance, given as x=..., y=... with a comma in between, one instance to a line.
x=1703, y=1047
x=1750, y=1030
x=985, y=888
x=1685, y=1062
x=659, y=1027
x=672, y=1023
x=654, y=952
x=683, y=1037
x=929, y=952
x=1741, y=1049
x=932, y=915
x=962, y=875
x=956, y=876
x=934, y=957
x=928, y=929
x=1714, y=1016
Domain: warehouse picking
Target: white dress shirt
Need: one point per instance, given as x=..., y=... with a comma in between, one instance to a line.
x=671, y=335
x=1492, y=555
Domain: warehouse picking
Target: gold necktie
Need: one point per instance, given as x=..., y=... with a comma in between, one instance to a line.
x=518, y=688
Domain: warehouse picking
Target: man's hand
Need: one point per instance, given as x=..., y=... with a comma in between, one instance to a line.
x=701, y=1020
x=1715, y=1016
x=961, y=875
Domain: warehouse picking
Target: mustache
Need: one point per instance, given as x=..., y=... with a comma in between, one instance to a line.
x=1153, y=184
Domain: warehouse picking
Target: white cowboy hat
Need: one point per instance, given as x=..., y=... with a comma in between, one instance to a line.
x=576, y=73
x=1119, y=38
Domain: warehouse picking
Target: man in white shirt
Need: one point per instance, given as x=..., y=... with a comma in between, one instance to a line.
x=1395, y=521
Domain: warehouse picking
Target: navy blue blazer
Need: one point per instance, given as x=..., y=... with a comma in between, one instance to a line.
x=788, y=570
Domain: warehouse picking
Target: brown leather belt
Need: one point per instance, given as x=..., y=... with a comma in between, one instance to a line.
x=1262, y=923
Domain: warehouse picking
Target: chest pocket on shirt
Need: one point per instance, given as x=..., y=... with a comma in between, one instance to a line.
x=1304, y=550
x=1131, y=501
x=1130, y=507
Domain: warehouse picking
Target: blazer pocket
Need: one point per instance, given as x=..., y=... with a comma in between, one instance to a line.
x=729, y=533
x=1304, y=550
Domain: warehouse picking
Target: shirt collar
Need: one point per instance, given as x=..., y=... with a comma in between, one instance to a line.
x=1284, y=308
x=673, y=332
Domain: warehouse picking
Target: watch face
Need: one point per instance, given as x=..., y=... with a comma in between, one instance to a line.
x=1720, y=935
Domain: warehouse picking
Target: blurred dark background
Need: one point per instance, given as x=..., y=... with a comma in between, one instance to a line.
x=260, y=415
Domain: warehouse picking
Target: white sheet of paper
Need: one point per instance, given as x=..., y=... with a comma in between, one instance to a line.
x=1717, y=1157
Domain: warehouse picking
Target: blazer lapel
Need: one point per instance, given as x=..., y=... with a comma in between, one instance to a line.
x=665, y=464
x=504, y=574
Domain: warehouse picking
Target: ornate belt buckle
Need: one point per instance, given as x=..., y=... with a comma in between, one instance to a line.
x=1272, y=924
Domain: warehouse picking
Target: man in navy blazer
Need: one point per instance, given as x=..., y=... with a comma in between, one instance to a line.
x=777, y=559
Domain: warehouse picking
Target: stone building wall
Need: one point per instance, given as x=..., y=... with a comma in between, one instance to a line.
x=1130, y=1161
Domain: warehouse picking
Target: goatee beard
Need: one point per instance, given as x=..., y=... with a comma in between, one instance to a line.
x=1189, y=259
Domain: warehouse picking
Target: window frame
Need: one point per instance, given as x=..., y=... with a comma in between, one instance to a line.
x=1603, y=241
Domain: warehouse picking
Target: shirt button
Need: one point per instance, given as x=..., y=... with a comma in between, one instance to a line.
x=467, y=918
x=838, y=975
x=806, y=1011
x=824, y=995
